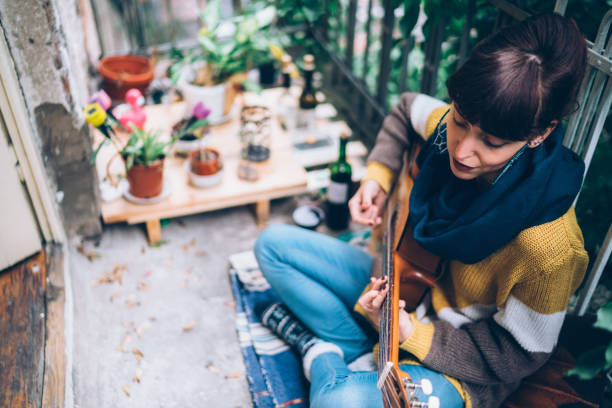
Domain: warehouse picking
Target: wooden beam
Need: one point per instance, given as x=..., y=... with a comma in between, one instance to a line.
x=262, y=213
x=54, y=383
x=153, y=230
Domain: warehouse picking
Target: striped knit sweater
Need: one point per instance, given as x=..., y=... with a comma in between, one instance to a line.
x=490, y=324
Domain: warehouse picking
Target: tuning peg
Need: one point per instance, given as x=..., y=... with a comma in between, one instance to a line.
x=432, y=402
x=425, y=385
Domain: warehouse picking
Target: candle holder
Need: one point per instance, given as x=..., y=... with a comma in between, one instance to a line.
x=255, y=133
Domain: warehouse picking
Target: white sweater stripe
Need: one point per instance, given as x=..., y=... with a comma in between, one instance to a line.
x=420, y=109
x=535, y=332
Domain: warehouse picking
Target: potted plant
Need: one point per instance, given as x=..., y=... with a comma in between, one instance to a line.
x=205, y=167
x=144, y=155
x=228, y=50
x=192, y=131
x=123, y=72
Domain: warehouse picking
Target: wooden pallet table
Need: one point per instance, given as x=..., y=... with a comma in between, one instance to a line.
x=282, y=176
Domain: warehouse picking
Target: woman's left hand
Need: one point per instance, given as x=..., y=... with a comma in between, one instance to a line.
x=373, y=299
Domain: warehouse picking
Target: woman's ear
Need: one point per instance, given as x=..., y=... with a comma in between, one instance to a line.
x=539, y=139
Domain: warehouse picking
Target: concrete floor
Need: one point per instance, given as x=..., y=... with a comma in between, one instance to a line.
x=164, y=291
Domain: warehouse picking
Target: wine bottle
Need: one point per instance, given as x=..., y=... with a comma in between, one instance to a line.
x=308, y=102
x=287, y=102
x=339, y=189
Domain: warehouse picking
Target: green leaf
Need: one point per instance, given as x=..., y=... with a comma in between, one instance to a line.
x=609, y=356
x=604, y=317
x=246, y=28
x=311, y=15
x=209, y=46
x=411, y=15
x=95, y=153
x=589, y=364
x=251, y=87
x=211, y=15
x=265, y=17
x=196, y=125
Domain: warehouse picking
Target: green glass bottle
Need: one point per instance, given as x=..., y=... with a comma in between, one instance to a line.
x=308, y=101
x=338, y=192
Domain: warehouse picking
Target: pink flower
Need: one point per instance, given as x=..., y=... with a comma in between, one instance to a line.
x=200, y=111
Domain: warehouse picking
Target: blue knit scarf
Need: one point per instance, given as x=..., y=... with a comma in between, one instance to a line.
x=459, y=220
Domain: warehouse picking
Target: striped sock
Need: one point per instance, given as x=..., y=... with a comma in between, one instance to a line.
x=286, y=326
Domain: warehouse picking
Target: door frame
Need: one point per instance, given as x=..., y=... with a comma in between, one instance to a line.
x=15, y=114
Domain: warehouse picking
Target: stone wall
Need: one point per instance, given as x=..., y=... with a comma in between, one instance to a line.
x=46, y=40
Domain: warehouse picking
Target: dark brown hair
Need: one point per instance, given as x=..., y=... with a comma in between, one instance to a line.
x=521, y=78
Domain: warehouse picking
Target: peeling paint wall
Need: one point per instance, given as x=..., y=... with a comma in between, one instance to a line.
x=47, y=46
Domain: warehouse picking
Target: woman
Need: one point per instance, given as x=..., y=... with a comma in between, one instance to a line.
x=493, y=199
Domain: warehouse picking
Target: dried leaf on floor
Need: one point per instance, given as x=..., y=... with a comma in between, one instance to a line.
x=126, y=389
x=190, y=326
x=200, y=253
x=89, y=254
x=184, y=284
x=121, y=349
x=192, y=242
x=141, y=327
x=138, y=354
x=152, y=318
x=212, y=368
x=142, y=285
x=230, y=303
x=237, y=374
x=113, y=296
x=110, y=277
x=131, y=301
x=143, y=250
x=188, y=271
x=138, y=375
x=126, y=340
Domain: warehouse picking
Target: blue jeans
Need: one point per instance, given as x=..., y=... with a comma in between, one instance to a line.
x=320, y=279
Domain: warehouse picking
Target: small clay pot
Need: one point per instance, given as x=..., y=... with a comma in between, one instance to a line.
x=205, y=166
x=146, y=181
x=123, y=72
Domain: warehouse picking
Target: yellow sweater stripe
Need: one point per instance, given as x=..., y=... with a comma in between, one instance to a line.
x=419, y=341
x=434, y=118
x=379, y=173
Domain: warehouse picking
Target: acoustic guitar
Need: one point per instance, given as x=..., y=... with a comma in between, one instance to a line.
x=398, y=390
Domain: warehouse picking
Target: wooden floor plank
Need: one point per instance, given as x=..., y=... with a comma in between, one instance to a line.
x=22, y=332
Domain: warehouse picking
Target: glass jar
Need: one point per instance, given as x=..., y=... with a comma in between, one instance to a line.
x=255, y=134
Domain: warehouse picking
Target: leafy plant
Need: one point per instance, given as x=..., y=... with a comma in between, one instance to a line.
x=144, y=147
x=592, y=362
x=229, y=47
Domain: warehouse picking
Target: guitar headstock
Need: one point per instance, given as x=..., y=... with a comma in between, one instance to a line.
x=426, y=388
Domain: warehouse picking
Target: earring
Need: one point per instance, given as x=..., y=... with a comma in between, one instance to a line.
x=533, y=144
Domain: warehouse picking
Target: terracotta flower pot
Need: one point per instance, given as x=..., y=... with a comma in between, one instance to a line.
x=207, y=166
x=122, y=72
x=146, y=181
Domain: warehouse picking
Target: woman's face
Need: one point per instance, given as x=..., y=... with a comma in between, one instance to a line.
x=474, y=153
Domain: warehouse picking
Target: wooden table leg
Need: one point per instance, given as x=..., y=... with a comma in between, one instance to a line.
x=154, y=231
x=262, y=213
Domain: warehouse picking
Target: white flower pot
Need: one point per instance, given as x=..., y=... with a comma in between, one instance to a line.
x=213, y=97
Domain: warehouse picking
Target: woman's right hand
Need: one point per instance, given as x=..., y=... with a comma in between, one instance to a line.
x=366, y=205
